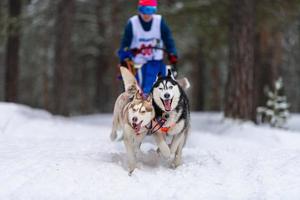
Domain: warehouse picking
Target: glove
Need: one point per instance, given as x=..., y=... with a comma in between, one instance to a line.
x=125, y=54
x=172, y=59
x=124, y=64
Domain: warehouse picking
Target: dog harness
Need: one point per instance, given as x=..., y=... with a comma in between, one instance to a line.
x=165, y=129
x=159, y=125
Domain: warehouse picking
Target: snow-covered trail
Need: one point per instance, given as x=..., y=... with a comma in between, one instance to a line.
x=47, y=157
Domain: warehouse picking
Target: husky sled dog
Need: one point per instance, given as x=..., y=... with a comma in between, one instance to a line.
x=173, y=114
x=132, y=114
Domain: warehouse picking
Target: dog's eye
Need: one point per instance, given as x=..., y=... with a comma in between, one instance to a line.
x=143, y=112
x=134, y=110
x=160, y=88
x=171, y=87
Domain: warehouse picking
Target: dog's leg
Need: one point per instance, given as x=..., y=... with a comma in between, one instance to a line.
x=115, y=126
x=120, y=103
x=180, y=144
x=116, y=122
x=176, y=148
x=138, y=143
x=113, y=134
x=162, y=145
x=175, y=142
x=130, y=154
x=178, y=154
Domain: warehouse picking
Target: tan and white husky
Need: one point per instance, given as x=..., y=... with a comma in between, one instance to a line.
x=132, y=115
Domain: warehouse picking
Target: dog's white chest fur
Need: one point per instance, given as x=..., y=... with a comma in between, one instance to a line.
x=172, y=122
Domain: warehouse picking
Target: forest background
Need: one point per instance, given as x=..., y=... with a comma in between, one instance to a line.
x=60, y=55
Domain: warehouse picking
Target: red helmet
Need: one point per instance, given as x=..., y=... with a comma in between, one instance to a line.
x=148, y=3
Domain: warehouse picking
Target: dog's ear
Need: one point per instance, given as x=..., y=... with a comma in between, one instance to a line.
x=149, y=98
x=159, y=76
x=148, y=104
x=169, y=73
x=138, y=95
x=128, y=78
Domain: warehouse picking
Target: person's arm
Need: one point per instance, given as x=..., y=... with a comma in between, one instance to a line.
x=168, y=38
x=123, y=52
x=170, y=46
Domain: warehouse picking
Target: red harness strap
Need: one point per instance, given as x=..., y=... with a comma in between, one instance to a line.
x=165, y=130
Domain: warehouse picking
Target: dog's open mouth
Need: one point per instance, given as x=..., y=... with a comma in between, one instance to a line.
x=168, y=104
x=137, y=127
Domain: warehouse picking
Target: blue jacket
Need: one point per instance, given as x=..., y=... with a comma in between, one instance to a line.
x=128, y=35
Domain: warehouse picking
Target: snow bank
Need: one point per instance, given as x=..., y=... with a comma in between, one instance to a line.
x=49, y=157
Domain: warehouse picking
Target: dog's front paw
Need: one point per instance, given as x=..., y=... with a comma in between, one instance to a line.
x=130, y=172
x=176, y=161
x=170, y=160
x=131, y=168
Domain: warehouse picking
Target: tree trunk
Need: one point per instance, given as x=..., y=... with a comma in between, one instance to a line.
x=84, y=92
x=239, y=88
x=12, y=51
x=215, y=99
x=62, y=69
x=268, y=60
x=215, y=77
x=198, y=79
x=102, y=92
x=106, y=72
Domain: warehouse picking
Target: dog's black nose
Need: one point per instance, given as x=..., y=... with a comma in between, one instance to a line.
x=167, y=95
x=134, y=119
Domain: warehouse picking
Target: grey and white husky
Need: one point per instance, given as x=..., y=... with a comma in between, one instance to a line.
x=132, y=114
x=172, y=112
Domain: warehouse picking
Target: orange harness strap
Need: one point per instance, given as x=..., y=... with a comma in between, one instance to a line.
x=165, y=130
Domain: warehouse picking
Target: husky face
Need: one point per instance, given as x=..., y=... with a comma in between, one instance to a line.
x=166, y=94
x=140, y=112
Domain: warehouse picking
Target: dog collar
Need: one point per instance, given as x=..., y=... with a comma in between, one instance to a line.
x=165, y=129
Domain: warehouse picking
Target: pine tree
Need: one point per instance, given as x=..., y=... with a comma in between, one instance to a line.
x=276, y=111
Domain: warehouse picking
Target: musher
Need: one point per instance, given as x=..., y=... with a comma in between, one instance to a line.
x=146, y=38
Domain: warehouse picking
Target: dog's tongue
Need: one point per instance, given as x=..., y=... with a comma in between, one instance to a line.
x=137, y=127
x=168, y=104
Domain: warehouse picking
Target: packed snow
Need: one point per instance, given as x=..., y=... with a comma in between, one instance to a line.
x=50, y=157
